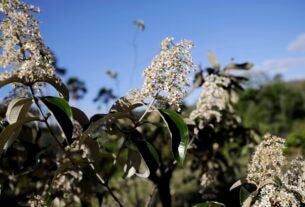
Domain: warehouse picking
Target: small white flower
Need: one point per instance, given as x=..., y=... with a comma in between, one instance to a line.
x=23, y=50
x=213, y=99
x=166, y=79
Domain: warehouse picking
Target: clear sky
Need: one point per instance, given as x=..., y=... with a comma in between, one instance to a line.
x=91, y=36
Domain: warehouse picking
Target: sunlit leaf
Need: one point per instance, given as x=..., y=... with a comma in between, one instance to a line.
x=17, y=109
x=179, y=133
x=238, y=183
x=213, y=60
x=9, y=134
x=62, y=113
x=133, y=165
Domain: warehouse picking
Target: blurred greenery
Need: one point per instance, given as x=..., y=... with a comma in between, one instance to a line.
x=277, y=107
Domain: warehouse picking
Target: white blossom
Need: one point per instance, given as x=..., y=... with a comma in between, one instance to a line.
x=285, y=178
x=166, y=79
x=213, y=99
x=268, y=160
x=22, y=48
x=271, y=196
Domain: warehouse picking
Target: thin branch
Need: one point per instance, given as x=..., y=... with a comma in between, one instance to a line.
x=151, y=196
x=147, y=109
x=105, y=184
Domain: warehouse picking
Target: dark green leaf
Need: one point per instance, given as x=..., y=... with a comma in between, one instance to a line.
x=80, y=116
x=243, y=195
x=179, y=133
x=62, y=113
x=153, y=151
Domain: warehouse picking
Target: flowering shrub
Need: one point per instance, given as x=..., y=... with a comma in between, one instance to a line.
x=52, y=154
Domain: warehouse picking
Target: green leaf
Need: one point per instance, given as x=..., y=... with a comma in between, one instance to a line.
x=9, y=134
x=179, y=133
x=153, y=151
x=209, y=204
x=17, y=109
x=62, y=113
x=213, y=60
x=80, y=116
x=243, y=195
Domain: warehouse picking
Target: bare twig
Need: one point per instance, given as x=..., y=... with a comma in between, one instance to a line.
x=151, y=196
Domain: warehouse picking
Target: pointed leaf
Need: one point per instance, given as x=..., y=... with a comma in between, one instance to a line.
x=80, y=116
x=58, y=85
x=133, y=165
x=243, y=195
x=213, y=60
x=62, y=113
x=179, y=133
x=238, y=183
x=153, y=151
x=239, y=66
x=9, y=134
x=17, y=109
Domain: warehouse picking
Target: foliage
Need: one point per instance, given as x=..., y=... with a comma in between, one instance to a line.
x=142, y=151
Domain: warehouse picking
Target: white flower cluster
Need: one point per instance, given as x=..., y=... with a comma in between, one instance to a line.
x=166, y=79
x=36, y=201
x=294, y=177
x=269, y=163
x=22, y=47
x=271, y=196
x=213, y=99
x=67, y=183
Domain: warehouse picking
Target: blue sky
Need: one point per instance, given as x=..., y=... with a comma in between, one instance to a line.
x=91, y=36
